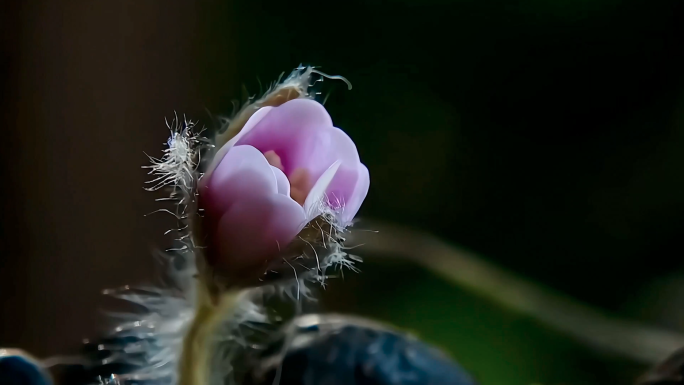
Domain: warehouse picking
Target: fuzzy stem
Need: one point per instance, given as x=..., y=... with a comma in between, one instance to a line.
x=197, y=346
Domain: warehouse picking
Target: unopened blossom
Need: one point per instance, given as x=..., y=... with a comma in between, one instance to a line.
x=287, y=166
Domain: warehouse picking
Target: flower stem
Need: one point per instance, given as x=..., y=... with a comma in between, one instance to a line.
x=195, y=365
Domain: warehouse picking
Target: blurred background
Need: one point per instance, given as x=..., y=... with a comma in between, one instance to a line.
x=544, y=136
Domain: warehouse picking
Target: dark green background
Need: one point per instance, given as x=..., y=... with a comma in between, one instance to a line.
x=544, y=135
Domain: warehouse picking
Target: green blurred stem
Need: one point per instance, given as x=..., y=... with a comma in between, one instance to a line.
x=641, y=343
x=195, y=362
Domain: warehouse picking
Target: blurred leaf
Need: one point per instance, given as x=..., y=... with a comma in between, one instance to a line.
x=497, y=346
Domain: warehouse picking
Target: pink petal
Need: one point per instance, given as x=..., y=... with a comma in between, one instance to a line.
x=251, y=122
x=257, y=228
x=301, y=133
x=283, y=182
x=318, y=191
x=331, y=145
x=243, y=172
x=353, y=202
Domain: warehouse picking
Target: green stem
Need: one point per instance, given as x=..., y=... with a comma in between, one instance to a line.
x=195, y=365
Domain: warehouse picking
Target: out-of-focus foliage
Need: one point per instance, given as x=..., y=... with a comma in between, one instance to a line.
x=495, y=345
x=544, y=135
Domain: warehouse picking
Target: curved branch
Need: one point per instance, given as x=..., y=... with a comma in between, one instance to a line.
x=633, y=340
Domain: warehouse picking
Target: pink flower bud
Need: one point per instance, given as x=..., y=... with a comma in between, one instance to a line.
x=286, y=167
